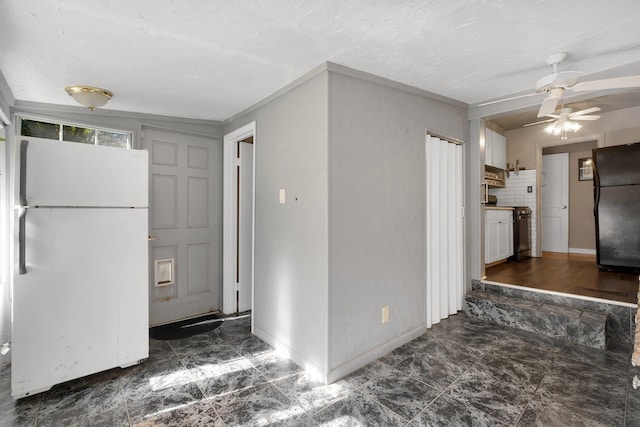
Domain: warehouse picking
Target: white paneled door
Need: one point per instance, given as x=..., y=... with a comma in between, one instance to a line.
x=184, y=225
x=444, y=226
x=555, y=202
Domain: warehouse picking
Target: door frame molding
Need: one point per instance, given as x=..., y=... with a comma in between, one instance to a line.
x=540, y=145
x=229, y=217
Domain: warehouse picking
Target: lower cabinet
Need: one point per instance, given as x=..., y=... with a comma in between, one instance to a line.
x=498, y=235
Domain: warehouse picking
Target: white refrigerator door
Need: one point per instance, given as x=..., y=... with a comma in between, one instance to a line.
x=74, y=174
x=82, y=306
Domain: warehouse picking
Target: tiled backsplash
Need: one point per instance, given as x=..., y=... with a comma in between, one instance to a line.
x=515, y=194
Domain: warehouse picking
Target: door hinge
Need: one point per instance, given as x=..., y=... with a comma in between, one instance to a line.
x=237, y=160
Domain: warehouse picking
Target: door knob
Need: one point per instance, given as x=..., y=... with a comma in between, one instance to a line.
x=152, y=238
x=563, y=207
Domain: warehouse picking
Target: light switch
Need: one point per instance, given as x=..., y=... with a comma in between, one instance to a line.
x=283, y=198
x=529, y=189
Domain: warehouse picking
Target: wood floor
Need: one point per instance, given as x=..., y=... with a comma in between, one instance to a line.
x=568, y=273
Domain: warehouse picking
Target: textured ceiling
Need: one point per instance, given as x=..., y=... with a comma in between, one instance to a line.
x=211, y=59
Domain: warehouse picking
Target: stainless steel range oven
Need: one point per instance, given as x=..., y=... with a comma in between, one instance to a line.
x=521, y=233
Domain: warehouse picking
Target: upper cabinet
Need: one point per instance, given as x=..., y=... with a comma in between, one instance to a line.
x=495, y=149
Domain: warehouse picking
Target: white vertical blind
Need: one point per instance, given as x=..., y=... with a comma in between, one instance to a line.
x=445, y=249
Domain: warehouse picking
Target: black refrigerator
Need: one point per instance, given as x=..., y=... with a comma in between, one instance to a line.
x=616, y=187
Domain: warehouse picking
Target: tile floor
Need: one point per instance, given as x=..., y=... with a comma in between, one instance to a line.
x=461, y=372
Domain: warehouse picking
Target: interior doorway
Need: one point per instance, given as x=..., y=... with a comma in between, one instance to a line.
x=238, y=221
x=555, y=202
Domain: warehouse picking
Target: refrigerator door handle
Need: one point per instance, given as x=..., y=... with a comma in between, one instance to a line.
x=23, y=172
x=22, y=225
x=596, y=191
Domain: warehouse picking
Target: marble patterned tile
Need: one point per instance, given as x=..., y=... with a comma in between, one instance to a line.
x=504, y=290
x=357, y=410
x=632, y=414
x=310, y=394
x=619, y=322
x=558, y=300
x=95, y=397
x=251, y=346
x=222, y=370
x=588, y=330
x=595, y=393
x=367, y=373
x=527, y=346
x=196, y=343
x=523, y=374
x=405, y=395
x=273, y=366
x=477, y=285
x=20, y=412
x=500, y=313
x=549, y=324
x=261, y=405
x=441, y=362
x=234, y=329
x=197, y=414
x=601, y=359
x=160, y=387
x=496, y=397
x=474, y=305
x=447, y=411
x=538, y=414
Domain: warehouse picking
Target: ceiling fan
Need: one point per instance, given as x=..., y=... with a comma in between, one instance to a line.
x=565, y=120
x=557, y=82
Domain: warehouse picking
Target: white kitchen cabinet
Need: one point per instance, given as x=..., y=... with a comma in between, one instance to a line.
x=495, y=149
x=499, y=151
x=498, y=234
x=488, y=147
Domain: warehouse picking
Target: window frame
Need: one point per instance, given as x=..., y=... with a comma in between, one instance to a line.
x=62, y=123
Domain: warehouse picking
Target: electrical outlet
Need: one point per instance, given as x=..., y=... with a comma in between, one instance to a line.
x=282, y=196
x=385, y=314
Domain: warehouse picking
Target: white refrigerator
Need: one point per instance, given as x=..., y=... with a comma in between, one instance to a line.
x=80, y=299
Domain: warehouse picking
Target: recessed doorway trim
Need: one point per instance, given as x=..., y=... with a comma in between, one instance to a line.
x=229, y=285
x=539, y=147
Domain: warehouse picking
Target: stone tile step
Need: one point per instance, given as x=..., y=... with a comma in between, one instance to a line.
x=621, y=317
x=575, y=325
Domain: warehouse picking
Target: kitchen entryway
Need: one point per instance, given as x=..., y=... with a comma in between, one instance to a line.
x=575, y=274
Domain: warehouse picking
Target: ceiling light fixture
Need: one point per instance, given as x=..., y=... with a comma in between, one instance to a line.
x=89, y=96
x=561, y=127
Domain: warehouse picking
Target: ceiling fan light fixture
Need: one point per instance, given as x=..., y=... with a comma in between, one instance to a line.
x=561, y=127
x=89, y=96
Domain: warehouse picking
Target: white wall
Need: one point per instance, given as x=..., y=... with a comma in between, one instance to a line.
x=291, y=240
x=377, y=214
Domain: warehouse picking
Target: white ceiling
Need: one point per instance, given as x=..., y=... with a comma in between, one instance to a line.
x=211, y=59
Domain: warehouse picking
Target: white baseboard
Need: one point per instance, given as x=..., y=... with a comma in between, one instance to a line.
x=582, y=251
x=368, y=357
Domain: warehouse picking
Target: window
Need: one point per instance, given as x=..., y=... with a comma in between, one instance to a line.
x=73, y=133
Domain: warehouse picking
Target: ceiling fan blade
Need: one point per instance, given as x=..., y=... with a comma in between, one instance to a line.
x=565, y=78
x=548, y=106
x=617, y=83
x=539, y=123
x=507, y=99
x=584, y=117
x=585, y=111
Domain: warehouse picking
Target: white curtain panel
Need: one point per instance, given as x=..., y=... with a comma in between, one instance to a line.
x=445, y=241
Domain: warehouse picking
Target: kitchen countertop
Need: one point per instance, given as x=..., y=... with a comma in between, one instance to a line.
x=498, y=208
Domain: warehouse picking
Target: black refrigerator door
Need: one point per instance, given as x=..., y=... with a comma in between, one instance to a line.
x=617, y=212
x=617, y=165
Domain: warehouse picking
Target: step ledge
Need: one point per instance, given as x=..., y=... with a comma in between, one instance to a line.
x=562, y=294
x=579, y=326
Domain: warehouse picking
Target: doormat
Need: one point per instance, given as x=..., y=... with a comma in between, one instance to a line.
x=185, y=328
